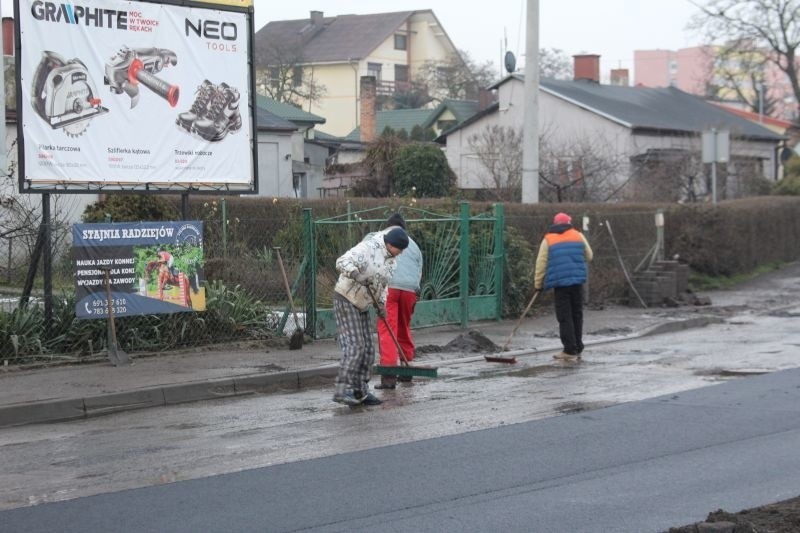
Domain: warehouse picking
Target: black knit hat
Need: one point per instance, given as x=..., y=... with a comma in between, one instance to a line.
x=396, y=237
x=396, y=220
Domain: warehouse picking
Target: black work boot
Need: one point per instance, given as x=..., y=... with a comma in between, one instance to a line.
x=223, y=115
x=199, y=107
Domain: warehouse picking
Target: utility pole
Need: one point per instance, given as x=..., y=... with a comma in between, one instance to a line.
x=530, y=124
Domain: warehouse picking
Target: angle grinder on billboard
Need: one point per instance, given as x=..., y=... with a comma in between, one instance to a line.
x=135, y=95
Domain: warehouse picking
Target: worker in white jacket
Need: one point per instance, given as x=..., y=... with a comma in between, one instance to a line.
x=368, y=266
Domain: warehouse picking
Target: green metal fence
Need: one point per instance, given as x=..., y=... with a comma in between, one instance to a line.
x=462, y=278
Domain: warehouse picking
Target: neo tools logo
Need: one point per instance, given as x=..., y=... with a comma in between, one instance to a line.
x=77, y=14
x=219, y=34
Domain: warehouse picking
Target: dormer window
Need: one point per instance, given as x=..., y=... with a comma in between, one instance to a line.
x=400, y=41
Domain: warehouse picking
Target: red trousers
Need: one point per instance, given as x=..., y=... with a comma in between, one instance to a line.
x=399, y=309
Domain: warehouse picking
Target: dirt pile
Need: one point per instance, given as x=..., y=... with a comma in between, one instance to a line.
x=471, y=341
x=781, y=517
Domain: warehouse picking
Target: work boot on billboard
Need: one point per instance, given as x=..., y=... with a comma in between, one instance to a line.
x=199, y=107
x=222, y=116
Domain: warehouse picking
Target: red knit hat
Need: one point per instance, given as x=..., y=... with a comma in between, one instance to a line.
x=562, y=218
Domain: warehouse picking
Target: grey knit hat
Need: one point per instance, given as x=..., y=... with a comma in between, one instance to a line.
x=397, y=237
x=396, y=220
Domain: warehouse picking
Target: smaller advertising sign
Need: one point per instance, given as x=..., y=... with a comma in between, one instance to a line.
x=138, y=268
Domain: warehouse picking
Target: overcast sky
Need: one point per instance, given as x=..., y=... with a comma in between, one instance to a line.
x=611, y=28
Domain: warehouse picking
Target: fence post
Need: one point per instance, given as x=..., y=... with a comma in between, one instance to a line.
x=585, y=229
x=224, y=211
x=660, y=235
x=499, y=259
x=464, y=264
x=8, y=271
x=311, y=275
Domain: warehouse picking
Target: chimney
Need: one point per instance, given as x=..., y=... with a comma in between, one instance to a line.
x=316, y=18
x=619, y=76
x=8, y=36
x=485, y=99
x=587, y=67
x=368, y=97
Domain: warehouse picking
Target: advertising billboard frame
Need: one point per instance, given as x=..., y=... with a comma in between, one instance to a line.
x=168, y=181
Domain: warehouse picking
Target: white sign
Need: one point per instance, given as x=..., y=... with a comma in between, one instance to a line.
x=121, y=95
x=716, y=146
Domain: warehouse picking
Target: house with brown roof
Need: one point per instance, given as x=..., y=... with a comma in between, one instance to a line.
x=336, y=52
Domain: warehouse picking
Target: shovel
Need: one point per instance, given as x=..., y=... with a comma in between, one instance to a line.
x=404, y=369
x=296, y=340
x=499, y=358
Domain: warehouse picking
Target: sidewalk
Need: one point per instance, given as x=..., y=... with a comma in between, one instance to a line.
x=80, y=391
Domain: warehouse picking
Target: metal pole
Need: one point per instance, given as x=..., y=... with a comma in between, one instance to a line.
x=47, y=265
x=530, y=126
x=761, y=103
x=224, y=211
x=464, y=265
x=714, y=166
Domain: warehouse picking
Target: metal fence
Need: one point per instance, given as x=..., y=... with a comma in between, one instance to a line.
x=247, y=304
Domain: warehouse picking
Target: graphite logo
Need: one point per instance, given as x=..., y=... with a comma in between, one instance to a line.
x=77, y=14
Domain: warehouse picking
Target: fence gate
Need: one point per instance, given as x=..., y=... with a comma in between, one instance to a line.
x=463, y=258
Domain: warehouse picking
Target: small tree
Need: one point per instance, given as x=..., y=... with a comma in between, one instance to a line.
x=458, y=76
x=585, y=169
x=421, y=169
x=499, y=151
x=130, y=208
x=555, y=63
x=284, y=77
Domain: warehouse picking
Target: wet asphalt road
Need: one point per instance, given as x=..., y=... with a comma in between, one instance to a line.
x=464, y=477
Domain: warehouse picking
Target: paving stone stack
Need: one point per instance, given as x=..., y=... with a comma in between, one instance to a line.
x=663, y=282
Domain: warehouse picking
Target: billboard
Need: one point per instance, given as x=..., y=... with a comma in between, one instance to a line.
x=135, y=95
x=138, y=268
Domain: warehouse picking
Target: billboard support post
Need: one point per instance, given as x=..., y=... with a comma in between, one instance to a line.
x=115, y=355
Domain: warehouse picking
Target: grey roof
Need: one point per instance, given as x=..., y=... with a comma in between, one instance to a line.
x=338, y=38
x=657, y=109
x=649, y=109
x=288, y=112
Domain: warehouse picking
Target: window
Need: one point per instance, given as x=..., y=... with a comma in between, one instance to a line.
x=401, y=73
x=374, y=69
x=273, y=76
x=400, y=41
x=297, y=76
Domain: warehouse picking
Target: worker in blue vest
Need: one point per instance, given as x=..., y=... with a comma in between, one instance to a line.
x=561, y=266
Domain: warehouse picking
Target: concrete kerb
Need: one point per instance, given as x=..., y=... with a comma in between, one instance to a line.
x=60, y=410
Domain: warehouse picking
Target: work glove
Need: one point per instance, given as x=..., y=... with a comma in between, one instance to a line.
x=363, y=279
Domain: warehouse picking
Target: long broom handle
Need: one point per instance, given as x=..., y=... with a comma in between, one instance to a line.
x=525, y=312
x=388, y=327
x=288, y=289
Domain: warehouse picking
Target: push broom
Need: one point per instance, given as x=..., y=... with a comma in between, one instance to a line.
x=405, y=369
x=497, y=358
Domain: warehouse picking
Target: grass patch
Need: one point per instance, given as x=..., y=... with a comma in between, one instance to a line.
x=703, y=282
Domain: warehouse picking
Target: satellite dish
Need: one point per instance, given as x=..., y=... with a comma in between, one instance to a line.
x=511, y=62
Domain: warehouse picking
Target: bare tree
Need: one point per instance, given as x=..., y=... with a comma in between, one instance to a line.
x=586, y=169
x=773, y=25
x=458, y=76
x=285, y=77
x=738, y=72
x=499, y=151
x=21, y=214
x=555, y=63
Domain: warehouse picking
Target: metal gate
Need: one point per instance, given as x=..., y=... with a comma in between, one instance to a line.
x=463, y=258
